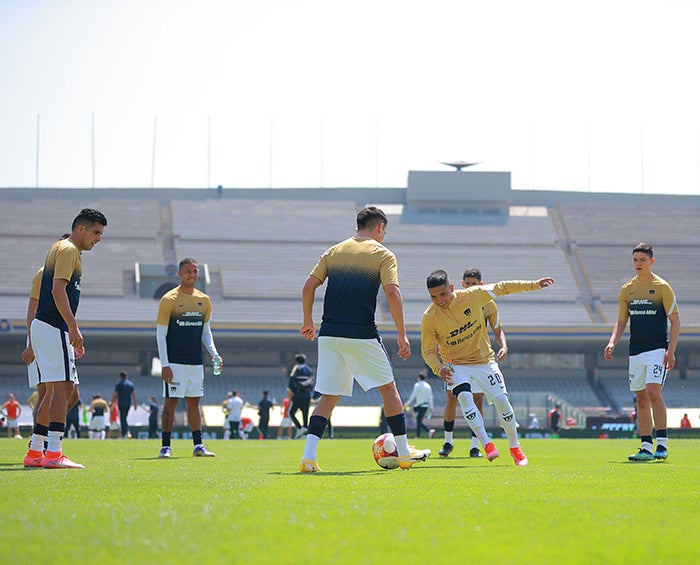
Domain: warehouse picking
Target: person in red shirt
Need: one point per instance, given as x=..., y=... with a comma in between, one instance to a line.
x=286, y=420
x=12, y=409
x=685, y=421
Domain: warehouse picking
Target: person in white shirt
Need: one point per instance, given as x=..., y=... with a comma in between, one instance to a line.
x=233, y=406
x=421, y=400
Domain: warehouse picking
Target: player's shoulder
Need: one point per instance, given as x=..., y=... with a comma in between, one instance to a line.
x=657, y=280
x=199, y=295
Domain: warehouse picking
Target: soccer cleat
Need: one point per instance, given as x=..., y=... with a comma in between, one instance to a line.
x=56, y=460
x=34, y=459
x=201, y=451
x=431, y=433
x=641, y=455
x=309, y=466
x=491, y=451
x=446, y=449
x=474, y=452
x=518, y=456
x=300, y=433
x=407, y=461
x=164, y=452
x=661, y=453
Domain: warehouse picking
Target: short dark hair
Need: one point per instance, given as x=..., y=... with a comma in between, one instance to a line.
x=370, y=216
x=123, y=374
x=89, y=217
x=642, y=247
x=187, y=261
x=472, y=274
x=438, y=278
x=300, y=358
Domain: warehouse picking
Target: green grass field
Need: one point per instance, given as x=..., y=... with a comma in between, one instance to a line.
x=579, y=501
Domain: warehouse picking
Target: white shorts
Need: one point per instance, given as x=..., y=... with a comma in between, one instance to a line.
x=486, y=379
x=647, y=368
x=115, y=425
x=286, y=422
x=97, y=423
x=341, y=359
x=55, y=357
x=12, y=424
x=188, y=381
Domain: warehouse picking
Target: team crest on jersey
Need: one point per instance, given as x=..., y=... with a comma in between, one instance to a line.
x=468, y=312
x=652, y=291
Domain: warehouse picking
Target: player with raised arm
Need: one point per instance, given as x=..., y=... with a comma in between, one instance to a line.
x=452, y=328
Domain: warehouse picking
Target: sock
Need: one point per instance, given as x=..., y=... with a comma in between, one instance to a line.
x=449, y=427
x=647, y=443
x=317, y=425
x=507, y=417
x=475, y=441
x=473, y=416
x=397, y=425
x=56, y=430
x=197, y=437
x=165, y=439
x=39, y=436
x=662, y=438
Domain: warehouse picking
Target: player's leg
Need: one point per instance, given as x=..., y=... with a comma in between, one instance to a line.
x=471, y=413
x=317, y=425
x=448, y=423
x=479, y=401
x=637, y=382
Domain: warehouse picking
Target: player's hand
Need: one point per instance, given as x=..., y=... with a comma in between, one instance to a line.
x=502, y=352
x=404, y=347
x=308, y=331
x=446, y=373
x=28, y=355
x=79, y=351
x=545, y=282
x=167, y=374
x=75, y=338
x=608, y=351
x=669, y=361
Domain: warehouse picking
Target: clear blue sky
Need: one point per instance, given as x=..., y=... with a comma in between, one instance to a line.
x=595, y=95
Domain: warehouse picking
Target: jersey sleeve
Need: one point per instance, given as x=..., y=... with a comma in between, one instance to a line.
x=67, y=260
x=36, y=284
x=389, y=270
x=491, y=315
x=320, y=270
x=669, y=300
x=164, y=310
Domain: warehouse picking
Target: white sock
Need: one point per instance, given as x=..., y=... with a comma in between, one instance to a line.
x=449, y=437
x=55, y=441
x=662, y=441
x=473, y=416
x=310, y=447
x=475, y=442
x=402, y=445
x=37, y=443
x=507, y=417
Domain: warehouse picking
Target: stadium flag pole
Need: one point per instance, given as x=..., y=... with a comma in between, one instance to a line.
x=153, y=154
x=36, y=171
x=92, y=146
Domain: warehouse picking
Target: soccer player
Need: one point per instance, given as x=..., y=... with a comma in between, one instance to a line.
x=98, y=409
x=651, y=304
x=453, y=346
x=472, y=277
x=184, y=315
x=56, y=337
x=349, y=345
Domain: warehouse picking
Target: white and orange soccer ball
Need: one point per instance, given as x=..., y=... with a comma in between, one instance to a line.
x=385, y=452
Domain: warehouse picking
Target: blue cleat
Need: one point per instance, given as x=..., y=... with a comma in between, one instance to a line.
x=641, y=455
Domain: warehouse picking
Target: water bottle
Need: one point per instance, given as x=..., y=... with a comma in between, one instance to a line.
x=217, y=365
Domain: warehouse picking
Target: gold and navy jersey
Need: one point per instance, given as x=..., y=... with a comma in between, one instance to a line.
x=62, y=262
x=355, y=268
x=459, y=331
x=648, y=305
x=185, y=316
x=99, y=406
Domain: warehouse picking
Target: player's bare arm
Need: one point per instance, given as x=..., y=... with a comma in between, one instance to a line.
x=395, y=303
x=60, y=297
x=308, y=295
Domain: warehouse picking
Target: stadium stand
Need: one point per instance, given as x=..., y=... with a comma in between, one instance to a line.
x=259, y=247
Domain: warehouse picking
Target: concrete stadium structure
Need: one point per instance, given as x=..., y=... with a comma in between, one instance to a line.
x=258, y=246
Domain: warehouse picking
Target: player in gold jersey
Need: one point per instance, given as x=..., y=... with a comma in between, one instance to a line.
x=455, y=346
x=472, y=277
x=649, y=302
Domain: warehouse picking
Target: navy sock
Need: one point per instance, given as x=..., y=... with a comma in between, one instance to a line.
x=166, y=439
x=449, y=426
x=197, y=437
x=397, y=424
x=317, y=425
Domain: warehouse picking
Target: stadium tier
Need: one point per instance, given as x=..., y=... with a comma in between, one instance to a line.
x=258, y=247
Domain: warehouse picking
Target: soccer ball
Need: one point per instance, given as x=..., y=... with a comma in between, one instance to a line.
x=384, y=451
